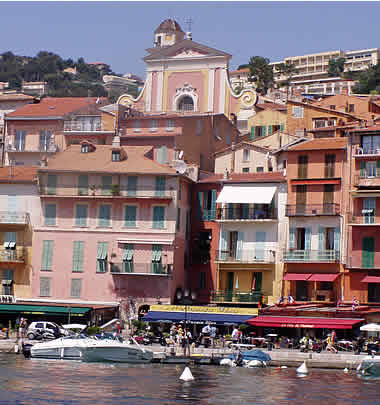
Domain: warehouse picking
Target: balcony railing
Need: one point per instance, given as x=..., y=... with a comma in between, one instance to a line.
x=69, y=126
x=311, y=256
x=366, y=181
x=12, y=255
x=236, y=296
x=14, y=217
x=208, y=215
x=129, y=267
x=368, y=217
x=246, y=256
x=358, y=262
x=244, y=214
x=312, y=209
x=7, y=299
x=41, y=149
x=358, y=151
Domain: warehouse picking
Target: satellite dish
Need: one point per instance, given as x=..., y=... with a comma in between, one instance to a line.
x=180, y=166
x=180, y=156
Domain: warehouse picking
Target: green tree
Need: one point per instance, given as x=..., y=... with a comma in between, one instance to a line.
x=336, y=67
x=261, y=73
x=288, y=70
x=368, y=81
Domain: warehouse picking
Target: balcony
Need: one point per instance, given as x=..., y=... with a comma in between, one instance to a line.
x=305, y=210
x=358, y=152
x=7, y=299
x=236, y=296
x=16, y=255
x=208, y=215
x=72, y=126
x=27, y=149
x=246, y=256
x=367, y=217
x=142, y=269
x=245, y=214
x=14, y=218
x=305, y=256
x=356, y=261
x=366, y=181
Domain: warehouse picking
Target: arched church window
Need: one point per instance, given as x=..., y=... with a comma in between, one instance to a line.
x=186, y=104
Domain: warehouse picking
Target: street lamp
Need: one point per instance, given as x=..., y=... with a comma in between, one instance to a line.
x=186, y=297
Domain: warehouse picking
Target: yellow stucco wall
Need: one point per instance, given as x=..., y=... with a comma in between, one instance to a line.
x=267, y=117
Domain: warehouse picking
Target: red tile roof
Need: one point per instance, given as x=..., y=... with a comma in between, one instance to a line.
x=321, y=143
x=100, y=161
x=239, y=71
x=272, y=106
x=54, y=107
x=18, y=174
x=245, y=178
x=15, y=97
x=374, y=128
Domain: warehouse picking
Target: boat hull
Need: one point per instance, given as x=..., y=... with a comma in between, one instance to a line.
x=58, y=349
x=118, y=354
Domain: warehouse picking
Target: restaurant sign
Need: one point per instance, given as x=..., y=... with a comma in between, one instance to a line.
x=209, y=310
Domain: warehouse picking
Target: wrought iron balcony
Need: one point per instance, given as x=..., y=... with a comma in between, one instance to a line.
x=72, y=126
x=366, y=181
x=359, y=151
x=236, y=296
x=246, y=256
x=12, y=255
x=367, y=217
x=129, y=267
x=7, y=299
x=239, y=213
x=305, y=256
x=14, y=217
x=294, y=210
x=23, y=149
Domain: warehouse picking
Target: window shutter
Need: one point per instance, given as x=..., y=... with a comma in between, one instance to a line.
x=282, y=127
x=212, y=215
x=258, y=281
x=102, y=253
x=106, y=185
x=178, y=219
x=252, y=137
x=44, y=286
x=264, y=131
x=156, y=266
x=130, y=216
x=362, y=169
x=270, y=128
x=378, y=168
x=200, y=199
x=321, y=239
x=158, y=217
x=81, y=215
x=104, y=215
x=78, y=248
x=292, y=238
x=239, y=246
x=52, y=184
x=223, y=246
x=160, y=186
x=337, y=239
x=50, y=214
x=83, y=184
x=76, y=287
x=47, y=254
x=10, y=237
x=132, y=186
x=368, y=252
x=308, y=239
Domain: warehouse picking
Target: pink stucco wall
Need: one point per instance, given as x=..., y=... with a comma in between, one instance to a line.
x=217, y=89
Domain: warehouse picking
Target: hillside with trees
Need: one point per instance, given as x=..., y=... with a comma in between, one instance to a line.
x=49, y=67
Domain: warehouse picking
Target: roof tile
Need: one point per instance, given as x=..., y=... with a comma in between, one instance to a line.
x=321, y=143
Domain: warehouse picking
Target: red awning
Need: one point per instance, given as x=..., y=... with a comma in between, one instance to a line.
x=303, y=322
x=371, y=279
x=323, y=277
x=297, y=276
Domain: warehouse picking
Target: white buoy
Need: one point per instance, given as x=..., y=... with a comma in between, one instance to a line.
x=186, y=375
x=345, y=370
x=302, y=369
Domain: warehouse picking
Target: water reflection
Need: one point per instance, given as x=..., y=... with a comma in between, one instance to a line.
x=38, y=381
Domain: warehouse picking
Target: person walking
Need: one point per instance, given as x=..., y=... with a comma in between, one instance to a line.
x=213, y=335
x=235, y=335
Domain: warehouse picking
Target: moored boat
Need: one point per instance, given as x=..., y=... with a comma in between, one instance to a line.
x=369, y=367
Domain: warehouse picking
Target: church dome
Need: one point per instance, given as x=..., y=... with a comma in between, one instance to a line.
x=168, y=25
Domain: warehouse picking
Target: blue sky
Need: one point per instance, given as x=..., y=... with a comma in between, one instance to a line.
x=119, y=32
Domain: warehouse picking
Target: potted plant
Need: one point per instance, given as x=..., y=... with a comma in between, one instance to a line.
x=115, y=189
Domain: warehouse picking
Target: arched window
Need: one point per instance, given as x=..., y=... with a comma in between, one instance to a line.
x=186, y=103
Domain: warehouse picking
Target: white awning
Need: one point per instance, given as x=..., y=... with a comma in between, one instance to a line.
x=249, y=194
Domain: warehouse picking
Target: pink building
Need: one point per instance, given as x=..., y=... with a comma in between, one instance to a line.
x=114, y=228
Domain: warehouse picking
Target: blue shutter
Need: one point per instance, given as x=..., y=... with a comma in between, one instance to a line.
x=10, y=237
x=239, y=246
x=252, y=137
x=130, y=216
x=270, y=128
x=78, y=247
x=158, y=217
x=308, y=239
x=282, y=127
x=212, y=215
x=160, y=186
x=81, y=215
x=337, y=239
x=50, y=214
x=47, y=254
x=292, y=238
x=83, y=184
x=223, y=246
x=104, y=215
x=51, y=184
x=264, y=131
x=132, y=186
x=321, y=239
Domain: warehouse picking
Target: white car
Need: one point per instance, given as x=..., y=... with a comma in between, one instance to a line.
x=41, y=326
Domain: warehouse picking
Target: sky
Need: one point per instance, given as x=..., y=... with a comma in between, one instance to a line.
x=118, y=33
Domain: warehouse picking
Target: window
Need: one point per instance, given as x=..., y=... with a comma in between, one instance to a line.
x=332, y=107
x=259, y=131
x=20, y=140
x=351, y=108
x=137, y=126
x=245, y=169
x=51, y=184
x=297, y=111
x=45, y=286
x=158, y=217
x=302, y=166
x=7, y=282
x=116, y=156
x=45, y=137
x=83, y=184
x=202, y=279
x=178, y=219
x=101, y=257
x=207, y=205
x=76, y=287
x=169, y=125
x=50, y=214
x=259, y=169
x=329, y=238
x=369, y=210
x=130, y=216
x=84, y=148
x=81, y=215
x=368, y=254
x=160, y=186
x=104, y=216
x=47, y=255
x=128, y=258
x=132, y=186
x=330, y=165
x=186, y=103
x=199, y=127
x=370, y=168
x=156, y=264
x=371, y=144
x=246, y=155
x=78, y=247
x=162, y=155
x=106, y=185
x=153, y=125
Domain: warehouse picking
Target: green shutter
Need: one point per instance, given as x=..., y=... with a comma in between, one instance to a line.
x=292, y=238
x=101, y=257
x=47, y=255
x=212, y=215
x=128, y=258
x=78, y=248
x=160, y=186
x=264, y=131
x=76, y=287
x=368, y=252
x=130, y=216
x=106, y=185
x=180, y=189
x=52, y=184
x=362, y=169
x=132, y=186
x=252, y=137
x=178, y=219
x=81, y=215
x=156, y=265
x=50, y=214
x=378, y=168
x=282, y=127
x=158, y=217
x=83, y=184
x=258, y=281
x=104, y=215
x=270, y=129
x=45, y=286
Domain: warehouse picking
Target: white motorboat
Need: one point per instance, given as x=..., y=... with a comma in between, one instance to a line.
x=68, y=347
x=369, y=367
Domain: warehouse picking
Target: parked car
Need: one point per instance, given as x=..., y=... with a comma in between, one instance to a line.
x=35, y=328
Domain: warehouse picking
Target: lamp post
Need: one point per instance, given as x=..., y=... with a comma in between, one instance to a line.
x=186, y=297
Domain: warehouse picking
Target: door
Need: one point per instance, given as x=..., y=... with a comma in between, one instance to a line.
x=368, y=258
x=369, y=208
x=300, y=199
x=328, y=198
x=301, y=290
x=230, y=286
x=300, y=238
